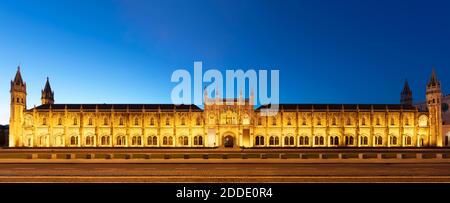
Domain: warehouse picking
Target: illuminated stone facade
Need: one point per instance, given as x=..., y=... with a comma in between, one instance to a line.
x=223, y=123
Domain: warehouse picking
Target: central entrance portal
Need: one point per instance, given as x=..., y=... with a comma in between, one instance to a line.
x=228, y=141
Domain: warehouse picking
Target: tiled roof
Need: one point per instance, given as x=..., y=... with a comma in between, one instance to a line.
x=338, y=107
x=119, y=107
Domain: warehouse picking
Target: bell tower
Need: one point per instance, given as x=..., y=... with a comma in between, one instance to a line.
x=434, y=96
x=17, y=107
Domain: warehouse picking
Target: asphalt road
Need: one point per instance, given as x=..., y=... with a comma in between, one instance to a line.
x=232, y=173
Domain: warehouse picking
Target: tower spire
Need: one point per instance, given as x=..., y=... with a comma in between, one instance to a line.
x=406, y=94
x=18, y=78
x=434, y=82
x=47, y=94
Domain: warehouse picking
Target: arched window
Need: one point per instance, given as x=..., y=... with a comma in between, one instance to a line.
x=165, y=140
x=378, y=121
x=408, y=140
x=136, y=121
x=167, y=121
x=406, y=121
x=277, y=141
x=150, y=140
x=103, y=140
x=43, y=141
x=378, y=140
x=274, y=121
x=155, y=140
x=139, y=140
x=170, y=140
x=321, y=140
x=259, y=121
x=348, y=140
x=286, y=140
x=59, y=121
x=303, y=121
x=90, y=121
x=291, y=140
x=74, y=140
x=349, y=121
x=316, y=140
x=90, y=140
x=152, y=121
x=186, y=141
x=183, y=121
x=363, y=121
x=333, y=121
x=120, y=121
x=306, y=140
x=198, y=120
x=334, y=140
x=319, y=122
x=198, y=140
x=392, y=121
x=271, y=140
x=393, y=140
x=75, y=121
x=105, y=121
x=364, y=140
x=44, y=121
x=301, y=140
x=134, y=140
x=257, y=140
x=289, y=121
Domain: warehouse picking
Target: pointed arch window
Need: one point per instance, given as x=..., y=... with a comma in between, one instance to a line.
x=289, y=121
x=363, y=121
x=183, y=121
x=167, y=121
x=198, y=120
x=90, y=121
x=136, y=121
x=152, y=121
x=105, y=121
x=120, y=121
x=59, y=121
x=75, y=121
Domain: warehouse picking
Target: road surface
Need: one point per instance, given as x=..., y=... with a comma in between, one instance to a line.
x=230, y=173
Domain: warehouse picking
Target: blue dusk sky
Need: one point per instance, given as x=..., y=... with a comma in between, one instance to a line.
x=125, y=51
